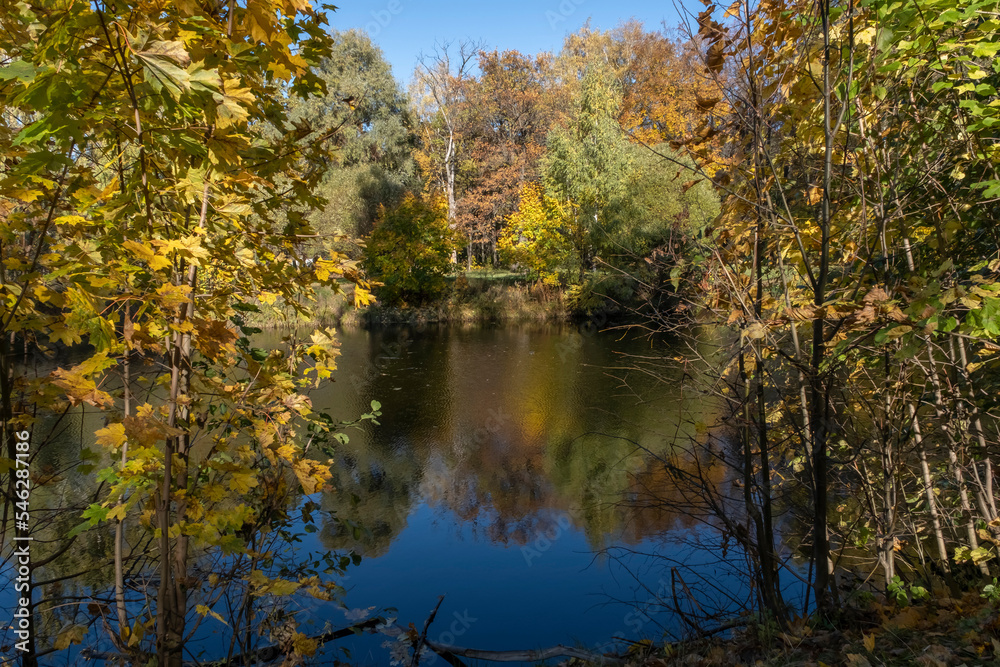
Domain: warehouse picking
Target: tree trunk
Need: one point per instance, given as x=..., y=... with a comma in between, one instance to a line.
x=929, y=490
x=449, y=170
x=120, y=524
x=174, y=563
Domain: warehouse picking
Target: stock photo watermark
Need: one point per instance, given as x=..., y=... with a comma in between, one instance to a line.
x=22, y=550
x=636, y=619
x=563, y=12
x=546, y=538
x=402, y=644
x=383, y=17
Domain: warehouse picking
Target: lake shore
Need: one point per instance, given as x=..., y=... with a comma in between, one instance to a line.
x=950, y=628
x=482, y=298
x=475, y=297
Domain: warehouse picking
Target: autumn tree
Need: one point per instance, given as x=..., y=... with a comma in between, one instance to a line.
x=664, y=209
x=855, y=262
x=145, y=200
x=438, y=93
x=536, y=235
x=507, y=121
x=588, y=164
x=409, y=251
x=664, y=87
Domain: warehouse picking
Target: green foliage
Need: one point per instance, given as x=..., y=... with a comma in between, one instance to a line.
x=536, y=235
x=904, y=593
x=855, y=259
x=991, y=592
x=588, y=164
x=143, y=200
x=600, y=293
x=409, y=252
x=625, y=198
x=366, y=117
x=664, y=204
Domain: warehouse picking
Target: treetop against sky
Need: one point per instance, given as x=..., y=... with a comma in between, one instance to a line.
x=406, y=28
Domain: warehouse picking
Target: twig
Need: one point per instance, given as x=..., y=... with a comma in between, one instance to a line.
x=423, y=636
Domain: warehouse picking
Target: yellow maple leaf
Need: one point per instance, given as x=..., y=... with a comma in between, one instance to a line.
x=241, y=482
x=311, y=474
x=206, y=611
x=287, y=452
x=71, y=635
x=67, y=336
x=111, y=436
x=303, y=645
x=80, y=389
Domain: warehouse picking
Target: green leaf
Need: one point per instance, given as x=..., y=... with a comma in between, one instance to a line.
x=19, y=69
x=986, y=49
x=95, y=513
x=245, y=307
x=990, y=188
x=162, y=74
x=86, y=525
x=202, y=79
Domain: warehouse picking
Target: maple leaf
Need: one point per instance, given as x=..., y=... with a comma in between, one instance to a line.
x=80, y=389
x=111, y=436
x=241, y=482
x=214, y=338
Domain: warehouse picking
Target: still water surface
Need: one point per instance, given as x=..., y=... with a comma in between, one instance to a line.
x=502, y=476
x=501, y=473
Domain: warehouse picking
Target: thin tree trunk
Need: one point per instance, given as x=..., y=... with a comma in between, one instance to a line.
x=968, y=518
x=174, y=563
x=986, y=499
x=449, y=170
x=888, y=537
x=932, y=505
x=120, y=525
x=819, y=401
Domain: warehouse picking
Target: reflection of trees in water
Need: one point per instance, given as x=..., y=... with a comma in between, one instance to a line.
x=508, y=429
x=655, y=497
x=372, y=497
x=498, y=494
x=499, y=428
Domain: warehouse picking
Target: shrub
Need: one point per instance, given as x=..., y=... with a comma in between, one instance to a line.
x=409, y=252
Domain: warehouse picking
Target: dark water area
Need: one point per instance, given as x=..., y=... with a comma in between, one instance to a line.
x=503, y=475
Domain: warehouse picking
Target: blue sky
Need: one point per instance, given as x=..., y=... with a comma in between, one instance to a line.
x=405, y=28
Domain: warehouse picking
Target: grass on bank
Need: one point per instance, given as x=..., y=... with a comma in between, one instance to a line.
x=480, y=295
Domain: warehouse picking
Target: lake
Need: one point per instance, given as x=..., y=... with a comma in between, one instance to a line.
x=501, y=477
x=511, y=472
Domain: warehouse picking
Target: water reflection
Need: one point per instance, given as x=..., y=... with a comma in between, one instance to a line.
x=505, y=461
x=500, y=427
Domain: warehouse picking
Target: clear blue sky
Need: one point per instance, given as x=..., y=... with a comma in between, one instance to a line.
x=405, y=28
